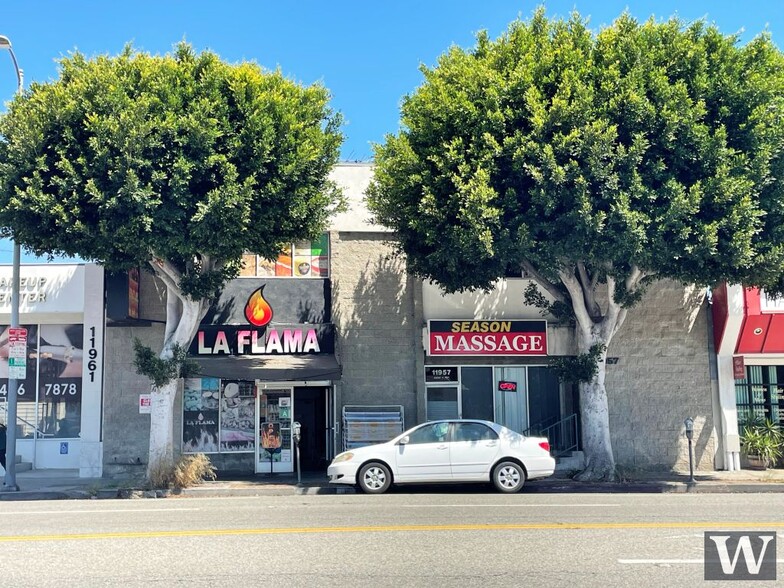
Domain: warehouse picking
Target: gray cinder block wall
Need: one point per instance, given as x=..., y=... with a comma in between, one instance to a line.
x=378, y=334
x=126, y=433
x=662, y=377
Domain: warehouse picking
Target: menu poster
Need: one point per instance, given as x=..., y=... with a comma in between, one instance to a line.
x=200, y=415
x=237, y=413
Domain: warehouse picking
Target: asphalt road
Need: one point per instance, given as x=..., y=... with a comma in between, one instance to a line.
x=407, y=538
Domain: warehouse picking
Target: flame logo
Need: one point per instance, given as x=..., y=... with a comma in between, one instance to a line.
x=257, y=310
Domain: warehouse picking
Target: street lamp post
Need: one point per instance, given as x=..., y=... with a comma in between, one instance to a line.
x=10, y=452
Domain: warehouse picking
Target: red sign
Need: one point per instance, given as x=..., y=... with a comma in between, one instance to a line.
x=738, y=367
x=507, y=386
x=479, y=337
x=17, y=353
x=17, y=335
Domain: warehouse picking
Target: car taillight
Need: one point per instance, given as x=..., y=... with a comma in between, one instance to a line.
x=545, y=445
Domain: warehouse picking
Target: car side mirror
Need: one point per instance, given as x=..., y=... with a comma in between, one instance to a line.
x=403, y=440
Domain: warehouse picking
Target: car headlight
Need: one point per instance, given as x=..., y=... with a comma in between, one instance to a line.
x=343, y=457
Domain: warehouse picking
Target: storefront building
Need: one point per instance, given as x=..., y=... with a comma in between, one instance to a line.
x=486, y=357
x=59, y=401
x=266, y=357
x=337, y=336
x=749, y=340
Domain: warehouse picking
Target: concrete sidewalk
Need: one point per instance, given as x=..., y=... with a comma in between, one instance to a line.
x=66, y=484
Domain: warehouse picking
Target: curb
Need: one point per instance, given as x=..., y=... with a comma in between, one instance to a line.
x=654, y=488
x=537, y=487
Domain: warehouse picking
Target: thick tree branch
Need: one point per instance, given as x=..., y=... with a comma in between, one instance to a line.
x=616, y=312
x=168, y=274
x=613, y=311
x=634, y=278
x=589, y=291
x=175, y=300
x=173, y=316
x=551, y=288
x=572, y=285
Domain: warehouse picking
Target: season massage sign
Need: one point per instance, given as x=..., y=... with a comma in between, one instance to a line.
x=504, y=337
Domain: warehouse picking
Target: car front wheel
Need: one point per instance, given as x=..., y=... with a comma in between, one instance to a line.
x=508, y=477
x=374, y=478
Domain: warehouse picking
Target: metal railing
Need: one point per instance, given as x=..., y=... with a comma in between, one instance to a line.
x=562, y=434
x=40, y=434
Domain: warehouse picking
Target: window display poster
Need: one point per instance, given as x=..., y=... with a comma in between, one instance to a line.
x=237, y=413
x=54, y=358
x=200, y=415
x=270, y=436
x=60, y=359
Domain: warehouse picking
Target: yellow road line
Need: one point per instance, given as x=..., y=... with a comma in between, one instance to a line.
x=391, y=528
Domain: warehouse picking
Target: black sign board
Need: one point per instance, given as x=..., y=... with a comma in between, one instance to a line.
x=440, y=374
x=504, y=386
x=217, y=340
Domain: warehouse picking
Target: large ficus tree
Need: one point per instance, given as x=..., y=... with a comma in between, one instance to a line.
x=595, y=163
x=179, y=162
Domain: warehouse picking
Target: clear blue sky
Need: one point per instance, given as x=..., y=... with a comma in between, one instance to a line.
x=367, y=53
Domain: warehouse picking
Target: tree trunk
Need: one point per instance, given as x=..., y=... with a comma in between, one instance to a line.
x=597, y=447
x=182, y=321
x=161, y=453
x=596, y=328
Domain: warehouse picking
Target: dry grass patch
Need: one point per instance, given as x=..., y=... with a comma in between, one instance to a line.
x=190, y=470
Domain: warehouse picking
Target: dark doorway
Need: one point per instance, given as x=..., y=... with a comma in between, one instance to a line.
x=310, y=410
x=544, y=400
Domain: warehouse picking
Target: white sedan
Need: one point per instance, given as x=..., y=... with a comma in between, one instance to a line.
x=446, y=451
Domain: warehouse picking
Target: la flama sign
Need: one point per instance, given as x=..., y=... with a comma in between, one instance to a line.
x=487, y=337
x=258, y=337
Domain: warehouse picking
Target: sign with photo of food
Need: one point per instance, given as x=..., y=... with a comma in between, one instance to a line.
x=237, y=416
x=200, y=415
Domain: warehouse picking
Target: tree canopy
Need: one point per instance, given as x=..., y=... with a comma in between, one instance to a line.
x=654, y=144
x=180, y=163
x=595, y=163
x=182, y=156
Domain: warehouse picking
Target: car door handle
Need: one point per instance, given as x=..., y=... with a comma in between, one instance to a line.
x=492, y=444
x=443, y=447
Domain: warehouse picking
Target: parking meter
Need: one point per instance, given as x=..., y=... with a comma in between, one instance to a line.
x=296, y=433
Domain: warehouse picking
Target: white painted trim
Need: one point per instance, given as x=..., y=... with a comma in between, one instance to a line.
x=727, y=408
x=265, y=385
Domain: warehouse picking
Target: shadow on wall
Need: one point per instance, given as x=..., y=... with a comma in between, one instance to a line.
x=662, y=376
x=373, y=313
x=693, y=298
x=700, y=443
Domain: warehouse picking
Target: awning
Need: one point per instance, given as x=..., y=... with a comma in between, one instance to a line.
x=272, y=368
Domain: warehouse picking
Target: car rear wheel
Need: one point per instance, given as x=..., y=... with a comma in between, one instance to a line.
x=374, y=478
x=508, y=477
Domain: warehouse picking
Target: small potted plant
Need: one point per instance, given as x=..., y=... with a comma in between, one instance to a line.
x=761, y=443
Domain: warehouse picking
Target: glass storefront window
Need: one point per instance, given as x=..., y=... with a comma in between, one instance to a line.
x=442, y=403
x=760, y=395
x=54, y=361
x=303, y=259
x=275, y=425
x=517, y=397
x=237, y=416
x=510, y=402
x=477, y=392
